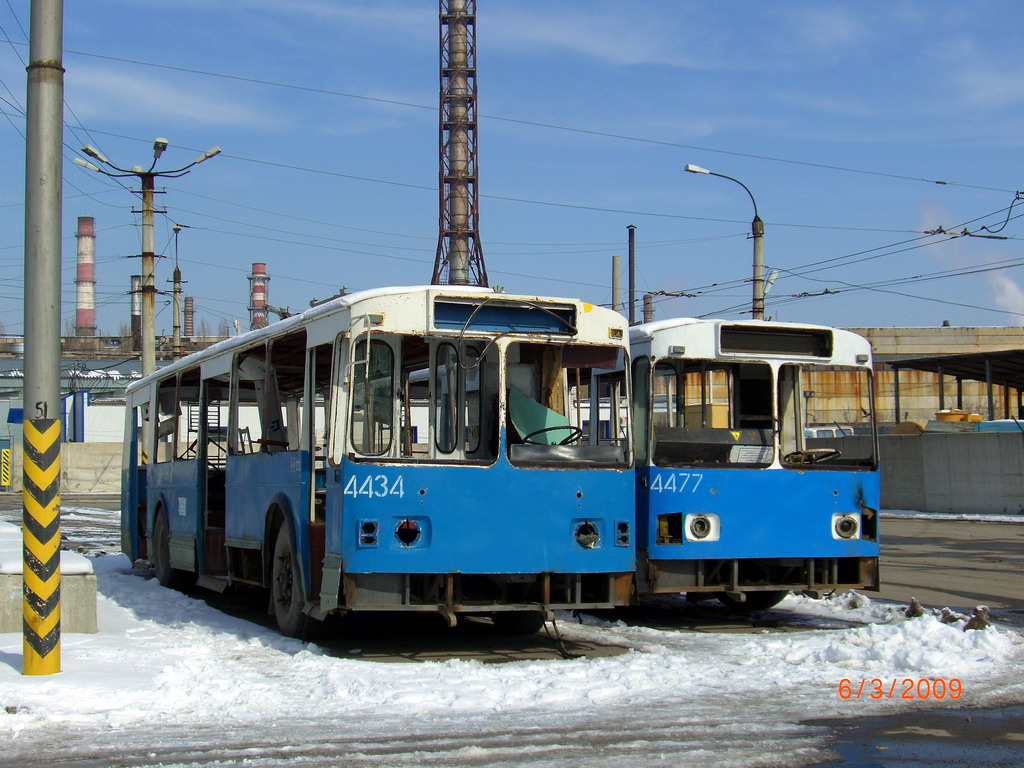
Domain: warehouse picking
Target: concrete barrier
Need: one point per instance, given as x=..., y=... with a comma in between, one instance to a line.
x=77, y=587
x=84, y=467
x=971, y=472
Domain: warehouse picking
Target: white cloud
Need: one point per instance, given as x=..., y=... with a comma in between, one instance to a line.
x=821, y=27
x=1008, y=296
x=613, y=33
x=97, y=92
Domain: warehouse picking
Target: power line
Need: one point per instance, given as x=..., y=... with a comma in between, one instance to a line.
x=538, y=124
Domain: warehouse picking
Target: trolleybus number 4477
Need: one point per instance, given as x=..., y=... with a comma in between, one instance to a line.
x=667, y=482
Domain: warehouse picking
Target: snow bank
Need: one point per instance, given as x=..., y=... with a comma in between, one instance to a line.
x=161, y=656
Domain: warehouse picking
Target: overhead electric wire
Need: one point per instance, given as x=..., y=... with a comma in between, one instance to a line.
x=532, y=123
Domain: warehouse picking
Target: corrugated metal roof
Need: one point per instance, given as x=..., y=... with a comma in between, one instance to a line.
x=1006, y=366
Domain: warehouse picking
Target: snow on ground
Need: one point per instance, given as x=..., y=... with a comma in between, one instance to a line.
x=163, y=657
x=981, y=518
x=176, y=682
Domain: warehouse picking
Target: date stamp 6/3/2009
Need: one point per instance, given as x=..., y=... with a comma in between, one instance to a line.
x=907, y=688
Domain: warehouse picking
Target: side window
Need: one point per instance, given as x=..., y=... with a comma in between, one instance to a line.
x=250, y=371
x=283, y=392
x=216, y=400
x=186, y=441
x=372, y=393
x=167, y=418
x=320, y=364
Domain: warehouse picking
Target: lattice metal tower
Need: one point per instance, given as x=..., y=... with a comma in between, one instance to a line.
x=460, y=259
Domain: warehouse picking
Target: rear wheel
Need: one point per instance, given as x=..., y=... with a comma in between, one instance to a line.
x=518, y=622
x=287, y=596
x=756, y=601
x=165, y=574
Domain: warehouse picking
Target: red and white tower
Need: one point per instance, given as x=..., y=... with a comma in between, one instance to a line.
x=459, y=259
x=259, y=291
x=85, y=278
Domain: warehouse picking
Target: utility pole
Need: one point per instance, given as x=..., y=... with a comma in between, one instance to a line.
x=148, y=273
x=147, y=179
x=757, y=233
x=41, y=421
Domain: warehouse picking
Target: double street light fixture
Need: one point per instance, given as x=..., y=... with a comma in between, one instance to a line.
x=147, y=178
x=757, y=230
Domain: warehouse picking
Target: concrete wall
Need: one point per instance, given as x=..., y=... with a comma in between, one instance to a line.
x=84, y=467
x=970, y=472
x=926, y=341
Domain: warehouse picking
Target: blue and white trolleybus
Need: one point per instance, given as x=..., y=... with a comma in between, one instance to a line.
x=396, y=449
x=735, y=495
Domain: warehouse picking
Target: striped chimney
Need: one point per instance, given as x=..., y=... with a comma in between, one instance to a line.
x=190, y=317
x=85, y=278
x=259, y=288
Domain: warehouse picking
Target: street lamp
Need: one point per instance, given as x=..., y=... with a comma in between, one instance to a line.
x=757, y=230
x=146, y=178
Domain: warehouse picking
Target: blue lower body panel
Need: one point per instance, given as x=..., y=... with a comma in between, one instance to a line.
x=468, y=519
x=758, y=526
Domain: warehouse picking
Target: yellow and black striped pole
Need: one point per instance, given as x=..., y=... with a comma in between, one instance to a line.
x=41, y=536
x=44, y=139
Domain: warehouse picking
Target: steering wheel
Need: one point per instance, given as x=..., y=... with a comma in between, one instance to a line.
x=812, y=455
x=575, y=433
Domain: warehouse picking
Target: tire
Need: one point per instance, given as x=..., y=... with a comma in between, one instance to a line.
x=756, y=601
x=169, y=577
x=518, y=622
x=287, y=597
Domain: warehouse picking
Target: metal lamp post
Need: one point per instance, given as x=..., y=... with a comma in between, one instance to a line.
x=147, y=181
x=757, y=230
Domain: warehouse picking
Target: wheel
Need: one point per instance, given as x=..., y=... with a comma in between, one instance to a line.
x=286, y=593
x=518, y=622
x=165, y=574
x=575, y=433
x=756, y=601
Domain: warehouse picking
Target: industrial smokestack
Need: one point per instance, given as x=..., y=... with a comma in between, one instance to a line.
x=190, y=317
x=648, y=308
x=632, y=274
x=85, y=278
x=137, y=312
x=616, y=276
x=259, y=292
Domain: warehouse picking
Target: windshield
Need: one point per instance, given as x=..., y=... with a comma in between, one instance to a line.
x=711, y=413
x=825, y=416
x=566, y=406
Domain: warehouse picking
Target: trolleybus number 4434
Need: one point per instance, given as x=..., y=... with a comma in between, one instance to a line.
x=375, y=486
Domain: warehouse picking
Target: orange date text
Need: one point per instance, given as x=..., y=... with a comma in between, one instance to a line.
x=896, y=688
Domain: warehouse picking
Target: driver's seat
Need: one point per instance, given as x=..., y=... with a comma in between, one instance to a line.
x=529, y=416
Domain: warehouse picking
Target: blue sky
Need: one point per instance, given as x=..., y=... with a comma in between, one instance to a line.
x=839, y=116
